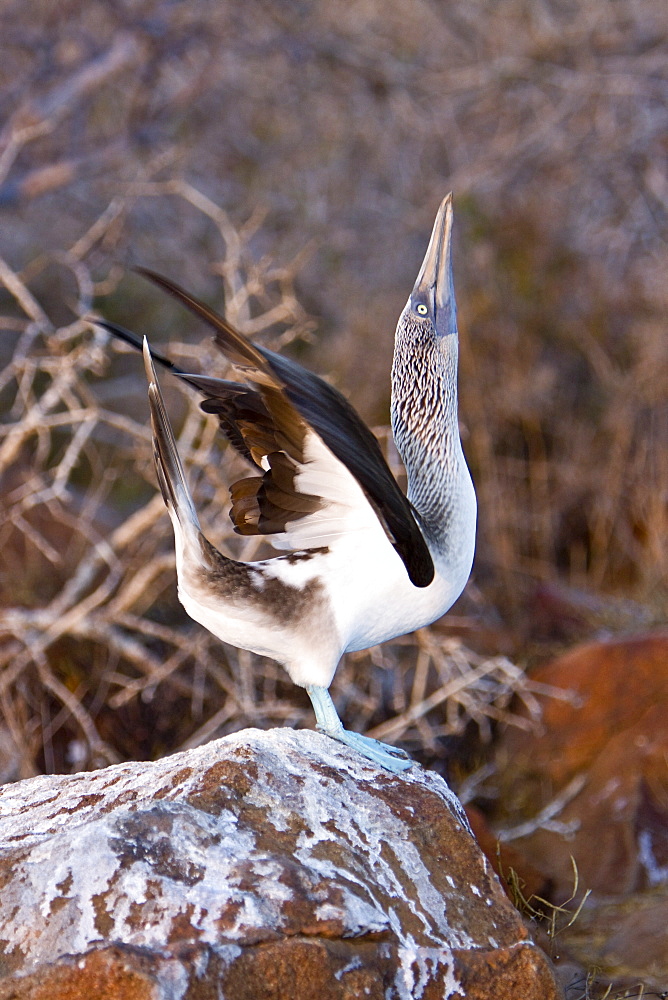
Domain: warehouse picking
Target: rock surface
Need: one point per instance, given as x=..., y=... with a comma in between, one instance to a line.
x=264, y=865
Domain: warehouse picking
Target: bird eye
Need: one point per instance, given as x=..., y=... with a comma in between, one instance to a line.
x=421, y=309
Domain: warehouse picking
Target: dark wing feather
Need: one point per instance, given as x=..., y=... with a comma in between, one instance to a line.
x=264, y=504
x=286, y=387
x=231, y=397
x=264, y=427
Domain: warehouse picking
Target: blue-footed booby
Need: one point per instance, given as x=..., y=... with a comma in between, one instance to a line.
x=360, y=562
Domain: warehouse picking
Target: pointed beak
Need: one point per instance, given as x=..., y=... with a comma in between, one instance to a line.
x=434, y=281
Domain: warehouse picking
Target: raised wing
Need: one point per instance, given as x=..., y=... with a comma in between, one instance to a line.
x=271, y=421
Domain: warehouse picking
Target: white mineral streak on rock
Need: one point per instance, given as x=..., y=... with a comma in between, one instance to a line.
x=355, y=963
x=73, y=926
x=418, y=968
x=174, y=981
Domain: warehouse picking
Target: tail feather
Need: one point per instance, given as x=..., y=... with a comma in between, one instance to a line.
x=171, y=476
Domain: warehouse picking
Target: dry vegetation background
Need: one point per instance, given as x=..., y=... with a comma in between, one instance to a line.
x=285, y=161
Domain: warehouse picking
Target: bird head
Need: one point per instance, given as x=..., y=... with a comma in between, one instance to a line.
x=432, y=300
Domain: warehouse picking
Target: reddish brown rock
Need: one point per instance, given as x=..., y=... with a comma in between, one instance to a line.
x=613, y=684
x=609, y=745
x=592, y=787
x=266, y=865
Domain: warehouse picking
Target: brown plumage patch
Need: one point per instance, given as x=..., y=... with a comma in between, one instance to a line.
x=245, y=585
x=266, y=428
x=265, y=504
x=304, y=555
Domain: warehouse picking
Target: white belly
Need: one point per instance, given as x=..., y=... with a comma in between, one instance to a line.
x=376, y=601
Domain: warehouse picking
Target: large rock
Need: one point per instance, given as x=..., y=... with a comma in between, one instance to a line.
x=265, y=865
x=592, y=788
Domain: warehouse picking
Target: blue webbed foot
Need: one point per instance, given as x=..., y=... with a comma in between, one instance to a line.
x=327, y=721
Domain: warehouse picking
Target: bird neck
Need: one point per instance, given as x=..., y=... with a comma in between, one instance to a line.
x=424, y=424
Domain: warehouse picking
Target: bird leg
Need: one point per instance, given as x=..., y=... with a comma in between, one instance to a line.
x=329, y=723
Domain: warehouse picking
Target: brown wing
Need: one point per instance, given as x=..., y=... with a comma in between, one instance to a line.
x=273, y=436
x=264, y=427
